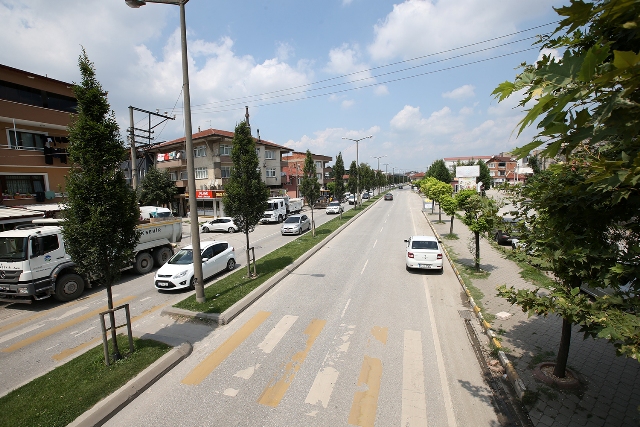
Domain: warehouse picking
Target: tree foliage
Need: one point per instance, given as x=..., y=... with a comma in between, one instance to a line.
x=353, y=180
x=449, y=205
x=310, y=187
x=480, y=215
x=245, y=198
x=157, y=188
x=439, y=171
x=338, y=170
x=485, y=174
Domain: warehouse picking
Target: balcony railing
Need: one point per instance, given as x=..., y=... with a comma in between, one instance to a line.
x=176, y=163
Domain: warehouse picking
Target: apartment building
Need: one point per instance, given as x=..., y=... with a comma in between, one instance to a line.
x=212, y=163
x=35, y=112
x=294, y=167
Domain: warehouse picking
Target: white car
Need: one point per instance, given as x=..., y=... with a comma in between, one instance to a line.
x=334, y=208
x=295, y=224
x=219, y=224
x=423, y=252
x=177, y=273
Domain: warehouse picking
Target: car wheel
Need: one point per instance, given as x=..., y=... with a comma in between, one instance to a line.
x=205, y=229
x=192, y=284
x=231, y=264
x=299, y=231
x=231, y=230
x=70, y=286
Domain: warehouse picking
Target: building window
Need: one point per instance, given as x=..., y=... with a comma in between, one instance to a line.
x=201, y=173
x=225, y=171
x=299, y=180
x=492, y=165
x=271, y=173
x=502, y=164
x=268, y=154
x=258, y=152
x=319, y=176
x=184, y=175
x=225, y=150
x=502, y=173
x=40, y=98
x=200, y=151
x=318, y=165
x=26, y=140
x=173, y=176
x=22, y=184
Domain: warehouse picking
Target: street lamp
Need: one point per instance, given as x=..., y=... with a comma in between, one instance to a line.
x=386, y=174
x=357, y=167
x=378, y=157
x=191, y=182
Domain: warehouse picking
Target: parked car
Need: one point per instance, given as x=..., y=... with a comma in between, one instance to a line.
x=423, y=252
x=366, y=196
x=177, y=273
x=334, y=208
x=400, y=187
x=505, y=233
x=388, y=196
x=219, y=224
x=626, y=289
x=296, y=224
x=352, y=199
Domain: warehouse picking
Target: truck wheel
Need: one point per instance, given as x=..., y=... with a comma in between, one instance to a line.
x=143, y=263
x=279, y=218
x=68, y=287
x=162, y=255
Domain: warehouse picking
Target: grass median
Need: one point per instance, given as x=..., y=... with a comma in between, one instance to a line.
x=230, y=289
x=63, y=394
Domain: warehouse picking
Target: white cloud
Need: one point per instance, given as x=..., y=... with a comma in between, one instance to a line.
x=347, y=103
x=284, y=51
x=381, y=90
x=466, y=91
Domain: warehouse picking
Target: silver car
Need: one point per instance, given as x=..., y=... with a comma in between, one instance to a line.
x=296, y=224
x=219, y=224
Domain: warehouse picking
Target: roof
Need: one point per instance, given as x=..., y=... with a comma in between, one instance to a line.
x=462, y=158
x=217, y=132
x=502, y=159
x=28, y=73
x=299, y=155
x=26, y=232
x=425, y=238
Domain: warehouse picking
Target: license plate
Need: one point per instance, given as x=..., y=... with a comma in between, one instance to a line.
x=424, y=265
x=162, y=284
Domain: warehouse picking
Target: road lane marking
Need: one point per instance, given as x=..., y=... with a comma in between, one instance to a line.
x=374, y=244
x=245, y=374
x=365, y=266
x=273, y=394
x=381, y=229
x=21, y=332
x=414, y=403
x=62, y=326
x=144, y=299
x=345, y=308
x=86, y=330
x=380, y=334
x=322, y=387
x=211, y=362
x=275, y=335
x=439, y=359
x=71, y=312
x=365, y=403
x=231, y=392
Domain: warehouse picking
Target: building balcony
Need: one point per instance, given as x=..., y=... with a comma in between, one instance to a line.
x=176, y=163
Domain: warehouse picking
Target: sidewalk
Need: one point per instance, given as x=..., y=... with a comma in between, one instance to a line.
x=611, y=392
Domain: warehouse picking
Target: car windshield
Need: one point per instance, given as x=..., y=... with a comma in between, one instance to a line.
x=292, y=220
x=424, y=244
x=13, y=248
x=334, y=204
x=184, y=256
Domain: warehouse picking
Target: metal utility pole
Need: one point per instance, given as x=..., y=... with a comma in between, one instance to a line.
x=357, y=197
x=379, y=157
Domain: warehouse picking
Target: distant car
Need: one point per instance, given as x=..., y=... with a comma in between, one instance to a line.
x=423, y=252
x=400, y=187
x=219, y=224
x=388, y=196
x=296, y=224
x=626, y=289
x=366, y=196
x=177, y=273
x=504, y=234
x=334, y=208
x=352, y=199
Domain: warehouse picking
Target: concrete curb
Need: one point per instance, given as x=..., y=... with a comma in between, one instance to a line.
x=250, y=298
x=109, y=406
x=511, y=373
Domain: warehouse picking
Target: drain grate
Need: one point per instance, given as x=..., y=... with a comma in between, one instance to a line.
x=466, y=314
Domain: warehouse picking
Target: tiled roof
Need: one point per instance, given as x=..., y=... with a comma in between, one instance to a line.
x=453, y=159
x=217, y=132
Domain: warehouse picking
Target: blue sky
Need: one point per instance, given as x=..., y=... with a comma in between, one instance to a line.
x=332, y=52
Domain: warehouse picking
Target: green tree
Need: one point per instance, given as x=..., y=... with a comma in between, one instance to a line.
x=426, y=186
x=437, y=192
x=245, y=198
x=480, y=214
x=439, y=171
x=449, y=206
x=353, y=182
x=102, y=212
x=157, y=188
x=310, y=187
x=379, y=181
x=485, y=174
x=338, y=170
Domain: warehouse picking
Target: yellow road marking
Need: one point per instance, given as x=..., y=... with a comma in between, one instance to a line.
x=380, y=334
x=273, y=394
x=211, y=362
x=61, y=327
x=68, y=352
x=365, y=403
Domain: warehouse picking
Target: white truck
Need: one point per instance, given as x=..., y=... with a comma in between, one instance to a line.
x=281, y=207
x=35, y=265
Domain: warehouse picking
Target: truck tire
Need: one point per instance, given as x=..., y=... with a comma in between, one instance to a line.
x=162, y=255
x=69, y=287
x=143, y=263
x=280, y=218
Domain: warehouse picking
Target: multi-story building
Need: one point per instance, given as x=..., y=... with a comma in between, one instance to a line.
x=212, y=163
x=35, y=111
x=451, y=162
x=294, y=167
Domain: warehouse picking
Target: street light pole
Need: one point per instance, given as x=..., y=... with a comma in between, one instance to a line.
x=386, y=173
x=355, y=200
x=379, y=157
x=191, y=182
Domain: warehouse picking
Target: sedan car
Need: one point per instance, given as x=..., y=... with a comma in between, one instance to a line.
x=334, y=208
x=296, y=224
x=423, y=252
x=388, y=196
x=219, y=224
x=352, y=199
x=366, y=196
x=178, y=273
x=505, y=233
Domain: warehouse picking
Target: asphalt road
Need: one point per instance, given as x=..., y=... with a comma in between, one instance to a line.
x=38, y=337
x=349, y=338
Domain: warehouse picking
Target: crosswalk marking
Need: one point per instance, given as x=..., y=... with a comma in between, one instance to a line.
x=211, y=362
x=273, y=394
x=275, y=335
x=323, y=387
x=380, y=334
x=414, y=405
x=365, y=403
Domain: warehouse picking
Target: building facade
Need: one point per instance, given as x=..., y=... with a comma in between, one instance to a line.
x=293, y=171
x=35, y=112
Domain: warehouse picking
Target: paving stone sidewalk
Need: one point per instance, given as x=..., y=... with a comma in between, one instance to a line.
x=611, y=394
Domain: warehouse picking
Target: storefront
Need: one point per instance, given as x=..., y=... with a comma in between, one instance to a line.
x=209, y=202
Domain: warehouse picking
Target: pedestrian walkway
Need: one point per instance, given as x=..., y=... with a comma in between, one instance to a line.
x=611, y=392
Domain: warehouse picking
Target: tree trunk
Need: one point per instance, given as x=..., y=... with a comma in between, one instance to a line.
x=563, y=352
x=477, y=257
x=112, y=319
x=246, y=234
x=313, y=225
x=439, y=213
x=451, y=228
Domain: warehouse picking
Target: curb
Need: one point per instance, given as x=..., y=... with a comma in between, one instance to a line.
x=511, y=373
x=237, y=308
x=102, y=411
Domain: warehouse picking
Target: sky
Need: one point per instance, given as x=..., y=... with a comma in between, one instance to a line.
x=415, y=75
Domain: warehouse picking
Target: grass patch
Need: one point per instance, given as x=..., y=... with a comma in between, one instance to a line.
x=450, y=236
x=227, y=291
x=60, y=396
